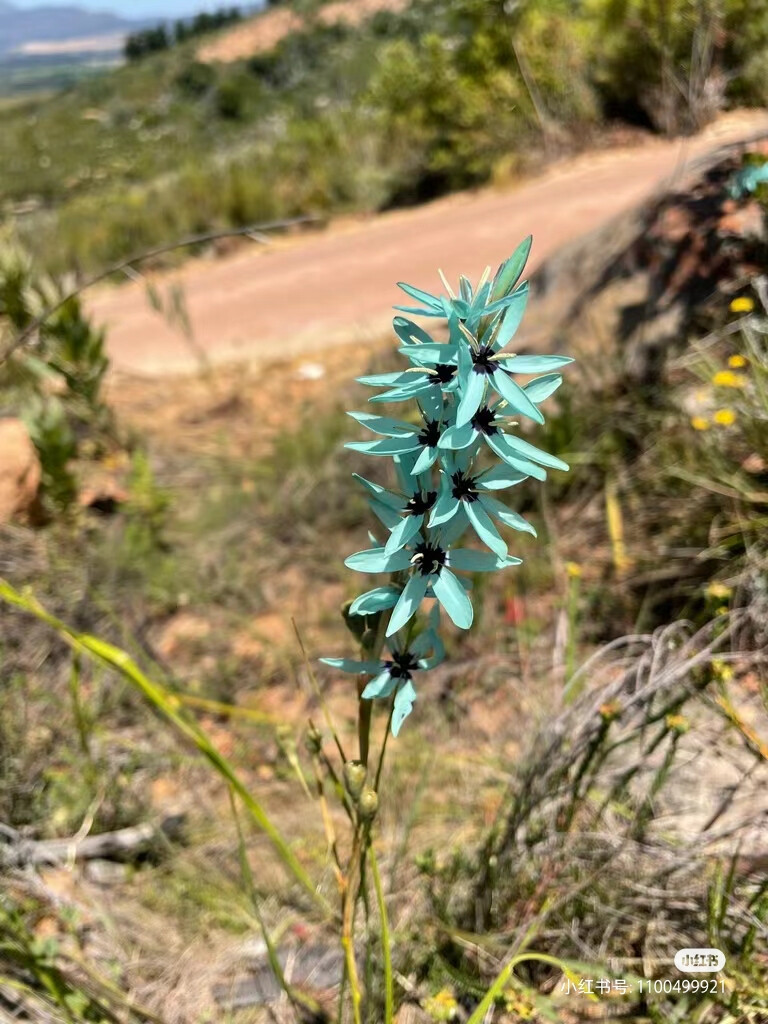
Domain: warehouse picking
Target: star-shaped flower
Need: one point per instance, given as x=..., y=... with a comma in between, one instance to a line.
x=395, y=674
x=401, y=438
x=487, y=426
x=430, y=563
x=466, y=493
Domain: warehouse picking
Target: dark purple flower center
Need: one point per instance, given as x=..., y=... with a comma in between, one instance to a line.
x=484, y=421
x=482, y=360
x=464, y=488
x=428, y=558
x=420, y=503
x=402, y=664
x=430, y=434
x=443, y=373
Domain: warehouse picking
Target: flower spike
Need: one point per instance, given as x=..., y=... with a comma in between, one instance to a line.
x=458, y=441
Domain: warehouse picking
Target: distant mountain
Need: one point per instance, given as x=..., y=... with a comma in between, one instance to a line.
x=46, y=24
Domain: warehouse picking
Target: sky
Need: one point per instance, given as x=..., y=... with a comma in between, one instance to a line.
x=129, y=8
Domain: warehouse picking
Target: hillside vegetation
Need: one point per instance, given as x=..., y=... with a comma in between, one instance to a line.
x=409, y=105
x=584, y=782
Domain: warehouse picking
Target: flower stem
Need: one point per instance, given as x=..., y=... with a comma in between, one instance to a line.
x=349, y=902
x=365, y=707
x=389, y=996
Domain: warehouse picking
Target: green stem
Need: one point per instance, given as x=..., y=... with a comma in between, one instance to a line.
x=501, y=981
x=389, y=992
x=365, y=707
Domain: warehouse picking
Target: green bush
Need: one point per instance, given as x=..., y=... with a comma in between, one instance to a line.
x=53, y=381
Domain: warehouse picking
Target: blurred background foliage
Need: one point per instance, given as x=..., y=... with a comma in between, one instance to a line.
x=403, y=107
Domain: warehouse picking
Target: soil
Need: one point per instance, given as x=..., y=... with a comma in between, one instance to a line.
x=309, y=292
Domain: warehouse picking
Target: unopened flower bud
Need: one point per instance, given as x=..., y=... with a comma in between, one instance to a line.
x=355, y=774
x=368, y=804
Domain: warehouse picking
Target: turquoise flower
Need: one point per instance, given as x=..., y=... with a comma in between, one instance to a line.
x=432, y=372
x=486, y=426
x=429, y=562
x=466, y=494
x=484, y=367
x=395, y=674
x=401, y=512
x=401, y=438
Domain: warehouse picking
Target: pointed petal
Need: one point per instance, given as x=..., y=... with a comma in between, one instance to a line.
x=472, y=397
x=409, y=332
x=348, y=665
x=466, y=560
x=529, y=451
x=506, y=515
x=501, y=477
x=404, y=701
x=384, y=425
x=453, y=597
x=445, y=508
x=535, y=364
x=542, y=387
x=512, y=318
x=405, y=530
x=389, y=446
x=484, y=528
x=429, y=354
x=427, y=458
x=431, y=401
x=375, y=560
x=388, y=516
x=458, y=437
x=498, y=443
x=381, y=686
x=405, y=394
x=417, y=311
x=435, y=643
x=453, y=529
x=376, y=380
x=380, y=493
x=376, y=600
x=432, y=301
x=515, y=396
x=403, y=465
x=408, y=604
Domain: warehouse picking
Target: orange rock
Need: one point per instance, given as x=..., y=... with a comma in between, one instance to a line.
x=19, y=470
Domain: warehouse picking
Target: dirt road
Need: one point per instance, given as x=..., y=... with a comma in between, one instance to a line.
x=339, y=285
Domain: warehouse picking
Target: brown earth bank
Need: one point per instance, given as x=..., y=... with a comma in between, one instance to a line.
x=302, y=294
x=264, y=32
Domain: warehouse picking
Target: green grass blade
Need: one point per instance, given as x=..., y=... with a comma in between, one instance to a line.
x=501, y=982
x=165, y=702
x=389, y=994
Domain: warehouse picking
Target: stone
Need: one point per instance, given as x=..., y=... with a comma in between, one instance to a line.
x=19, y=471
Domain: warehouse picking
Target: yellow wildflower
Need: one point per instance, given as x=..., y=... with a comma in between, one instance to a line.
x=573, y=569
x=722, y=670
x=700, y=423
x=442, y=1007
x=718, y=590
x=743, y=304
x=728, y=379
x=724, y=417
x=610, y=710
x=677, y=722
x=737, y=362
